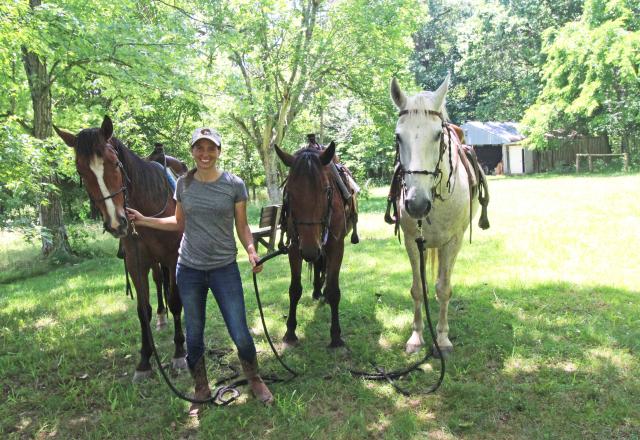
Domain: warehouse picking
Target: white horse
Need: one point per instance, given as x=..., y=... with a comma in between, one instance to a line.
x=435, y=188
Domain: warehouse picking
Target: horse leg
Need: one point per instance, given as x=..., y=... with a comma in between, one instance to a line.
x=446, y=260
x=179, y=360
x=138, y=266
x=318, y=280
x=157, y=273
x=295, y=292
x=416, y=341
x=332, y=290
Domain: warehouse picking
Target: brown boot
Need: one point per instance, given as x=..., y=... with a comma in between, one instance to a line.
x=258, y=387
x=202, y=390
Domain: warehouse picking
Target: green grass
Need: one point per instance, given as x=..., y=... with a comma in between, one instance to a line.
x=545, y=322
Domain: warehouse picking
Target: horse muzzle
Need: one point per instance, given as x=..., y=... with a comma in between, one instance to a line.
x=417, y=209
x=310, y=254
x=122, y=227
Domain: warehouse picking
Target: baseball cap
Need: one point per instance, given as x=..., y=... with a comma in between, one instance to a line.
x=206, y=133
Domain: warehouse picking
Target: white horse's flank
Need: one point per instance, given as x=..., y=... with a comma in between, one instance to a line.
x=444, y=221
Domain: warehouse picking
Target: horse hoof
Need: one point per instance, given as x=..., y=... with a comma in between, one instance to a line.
x=337, y=344
x=289, y=342
x=179, y=363
x=412, y=348
x=446, y=352
x=141, y=376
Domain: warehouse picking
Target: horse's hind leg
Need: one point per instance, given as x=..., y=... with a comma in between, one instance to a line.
x=416, y=341
x=179, y=360
x=158, y=274
x=295, y=292
x=318, y=279
x=446, y=260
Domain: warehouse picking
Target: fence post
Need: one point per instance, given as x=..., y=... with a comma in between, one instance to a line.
x=577, y=163
x=626, y=162
x=590, y=163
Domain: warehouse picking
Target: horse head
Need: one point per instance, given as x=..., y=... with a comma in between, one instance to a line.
x=309, y=198
x=99, y=166
x=419, y=135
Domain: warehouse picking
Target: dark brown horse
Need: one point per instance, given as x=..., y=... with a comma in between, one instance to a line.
x=317, y=221
x=116, y=178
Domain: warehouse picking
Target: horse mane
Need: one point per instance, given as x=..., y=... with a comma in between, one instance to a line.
x=146, y=178
x=307, y=165
x=424, y=101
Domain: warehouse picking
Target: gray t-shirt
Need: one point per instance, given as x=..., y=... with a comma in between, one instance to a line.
x=209, y=213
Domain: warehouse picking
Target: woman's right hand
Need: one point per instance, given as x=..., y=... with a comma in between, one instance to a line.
x=134, y=215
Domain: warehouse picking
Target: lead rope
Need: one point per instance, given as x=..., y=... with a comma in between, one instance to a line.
x=389, y=376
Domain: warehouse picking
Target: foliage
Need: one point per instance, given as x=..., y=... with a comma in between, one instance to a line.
x=591, y=88
x=492, y=49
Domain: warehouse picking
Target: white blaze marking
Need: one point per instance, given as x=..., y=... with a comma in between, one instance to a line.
x=97, y=166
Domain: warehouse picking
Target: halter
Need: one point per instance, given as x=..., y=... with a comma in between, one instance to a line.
x=437, y=172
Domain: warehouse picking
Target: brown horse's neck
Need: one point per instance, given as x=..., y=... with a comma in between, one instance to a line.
x=148, y=190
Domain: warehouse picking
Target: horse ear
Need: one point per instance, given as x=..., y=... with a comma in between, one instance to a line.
x=327, y=155
x=442, y=92
x=397, y=96
x=68, y=138
x=107, y=127
x=286, y=158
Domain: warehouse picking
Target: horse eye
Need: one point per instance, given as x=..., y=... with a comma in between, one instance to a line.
x=438, y=134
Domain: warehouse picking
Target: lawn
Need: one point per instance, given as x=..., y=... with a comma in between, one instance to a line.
x=545, y=322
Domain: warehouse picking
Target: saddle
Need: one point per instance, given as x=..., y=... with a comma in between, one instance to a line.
x=477, y=180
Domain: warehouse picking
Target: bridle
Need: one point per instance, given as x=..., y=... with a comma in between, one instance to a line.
x=126, y=181
x=325, y=221
x=436, y=172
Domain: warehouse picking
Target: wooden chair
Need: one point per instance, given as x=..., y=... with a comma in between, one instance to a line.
x=268, y=227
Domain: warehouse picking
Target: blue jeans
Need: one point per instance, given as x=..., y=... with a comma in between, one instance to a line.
x=226, y=286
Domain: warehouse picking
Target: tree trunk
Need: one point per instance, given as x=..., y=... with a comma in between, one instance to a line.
x=54, y=234
x=270, y=162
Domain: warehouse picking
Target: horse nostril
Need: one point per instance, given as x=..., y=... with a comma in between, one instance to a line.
x=123, y=220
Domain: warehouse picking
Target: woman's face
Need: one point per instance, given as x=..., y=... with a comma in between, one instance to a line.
x=205, y=153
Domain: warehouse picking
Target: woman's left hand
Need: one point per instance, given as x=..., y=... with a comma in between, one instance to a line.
x=253, y=259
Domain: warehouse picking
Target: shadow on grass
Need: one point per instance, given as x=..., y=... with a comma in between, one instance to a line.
x=545, y=360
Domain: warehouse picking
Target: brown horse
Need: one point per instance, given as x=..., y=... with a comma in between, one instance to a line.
x=116, y=178
x=317, y=221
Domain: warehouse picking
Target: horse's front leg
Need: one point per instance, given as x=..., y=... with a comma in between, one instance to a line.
x=416, y=341
x=179, y=360
x=295, y=292
x=158, y=275
x=332, y=290
x=446, y=260
x=138, y=267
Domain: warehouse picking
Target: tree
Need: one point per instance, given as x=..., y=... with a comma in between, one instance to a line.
x=76, y=54
x=282, y=54
x=591, y=88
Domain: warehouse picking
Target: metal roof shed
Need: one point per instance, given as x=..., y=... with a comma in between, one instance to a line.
x=497, y=142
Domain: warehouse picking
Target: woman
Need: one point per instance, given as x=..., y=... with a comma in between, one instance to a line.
x=209, y=201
